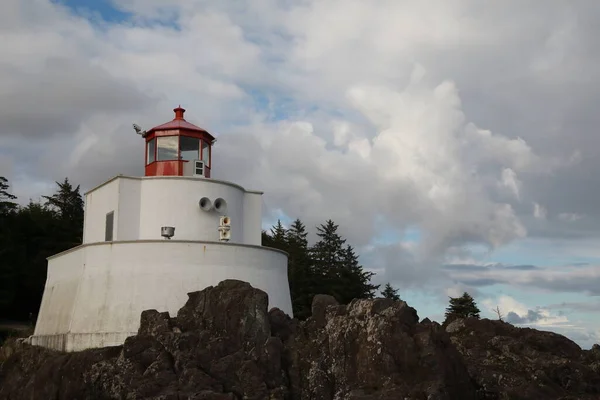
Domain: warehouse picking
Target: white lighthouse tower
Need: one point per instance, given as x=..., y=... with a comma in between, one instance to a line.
x=148, y=241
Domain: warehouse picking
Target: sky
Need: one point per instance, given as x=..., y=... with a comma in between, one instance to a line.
x=453, y=141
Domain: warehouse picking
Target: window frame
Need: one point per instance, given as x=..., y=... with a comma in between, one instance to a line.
x=153, y=141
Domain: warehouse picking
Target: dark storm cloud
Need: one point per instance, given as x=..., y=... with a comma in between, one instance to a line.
x=592, y=306
x=466, y=267
x=583, y=279
x=520, y=267
x=531, y=317
x=481, y=281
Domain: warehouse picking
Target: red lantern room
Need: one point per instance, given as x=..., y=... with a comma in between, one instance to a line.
x=178, y=148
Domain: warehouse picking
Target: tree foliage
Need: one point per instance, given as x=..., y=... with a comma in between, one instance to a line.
x=28, y=235
x=389, y=292
x=6, y=205
x=462, y=307
x=329, y=266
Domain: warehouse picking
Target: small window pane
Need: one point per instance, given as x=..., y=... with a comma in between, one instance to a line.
x=108, y=234
x=205, y=153
x=151, y=148
x=189, y=147
x=166, y=148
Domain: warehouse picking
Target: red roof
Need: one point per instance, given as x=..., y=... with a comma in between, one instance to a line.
x=180, y=123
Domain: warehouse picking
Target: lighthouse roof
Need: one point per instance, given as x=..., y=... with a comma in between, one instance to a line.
x=180, y=123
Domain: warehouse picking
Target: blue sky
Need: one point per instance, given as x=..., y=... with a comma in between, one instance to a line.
x=103, y=10
x=456, y=143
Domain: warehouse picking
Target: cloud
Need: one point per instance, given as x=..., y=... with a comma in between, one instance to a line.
x=542, y=318
x=518, y=314
x=539, y=211
x=451, y=122
x=583, y=279
x=592, y=306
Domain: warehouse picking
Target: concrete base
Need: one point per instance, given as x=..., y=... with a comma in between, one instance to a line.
x=95, y=293
x=79, y=341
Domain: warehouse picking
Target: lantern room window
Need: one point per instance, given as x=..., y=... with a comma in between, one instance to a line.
x=166, y=147
x=151, y=151
x=189, y=148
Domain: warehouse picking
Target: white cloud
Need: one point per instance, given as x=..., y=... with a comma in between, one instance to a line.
x=510, y=181
x=539, y=211
x=400, y=112
x=519, y=314
x=569, y=217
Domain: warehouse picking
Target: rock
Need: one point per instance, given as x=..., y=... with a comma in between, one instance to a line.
x=525, y=363
x=223, y=344
x=319, y=308
x=455, y=325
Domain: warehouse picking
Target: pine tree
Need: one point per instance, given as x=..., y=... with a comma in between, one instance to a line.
x=353, y=281
x=266, y=239
x=278, y=232
x=462, y=307
x=337, y=268
x=390, y=293
x=328, y=267
x=28, y=235
x=67, y=203
x=300, y=273
x=6, y=205
x=8, y=269
x=327, y=252
x=327, y=256
x=33, y=239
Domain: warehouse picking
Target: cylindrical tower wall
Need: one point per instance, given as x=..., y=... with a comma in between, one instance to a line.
x=170, y=201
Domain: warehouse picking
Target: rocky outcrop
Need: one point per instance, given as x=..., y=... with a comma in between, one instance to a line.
x=223, y=344
x=524, y=363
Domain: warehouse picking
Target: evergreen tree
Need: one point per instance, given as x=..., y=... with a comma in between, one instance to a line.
x=6, y=205
x=28, y=235
x=353, y=281
x=33, y=245
x=327, y=256
x=390, y=293
x=300, y=273
x=67, y=203
x=327, y=252
x=337, y=269
x=266, y=239
x=462, y=307
x=278, y=233
x=8, y=272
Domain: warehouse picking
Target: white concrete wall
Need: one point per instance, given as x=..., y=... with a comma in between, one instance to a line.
x=128, y=227
x=143, y=205
x=252, y=218
x=97, y=204
x=60, y=293
x=174, y=202
x=121, y=279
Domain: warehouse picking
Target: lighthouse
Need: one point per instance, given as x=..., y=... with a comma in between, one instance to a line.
x=149, y=241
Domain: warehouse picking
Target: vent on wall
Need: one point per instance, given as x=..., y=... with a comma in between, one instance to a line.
x=108, y=233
